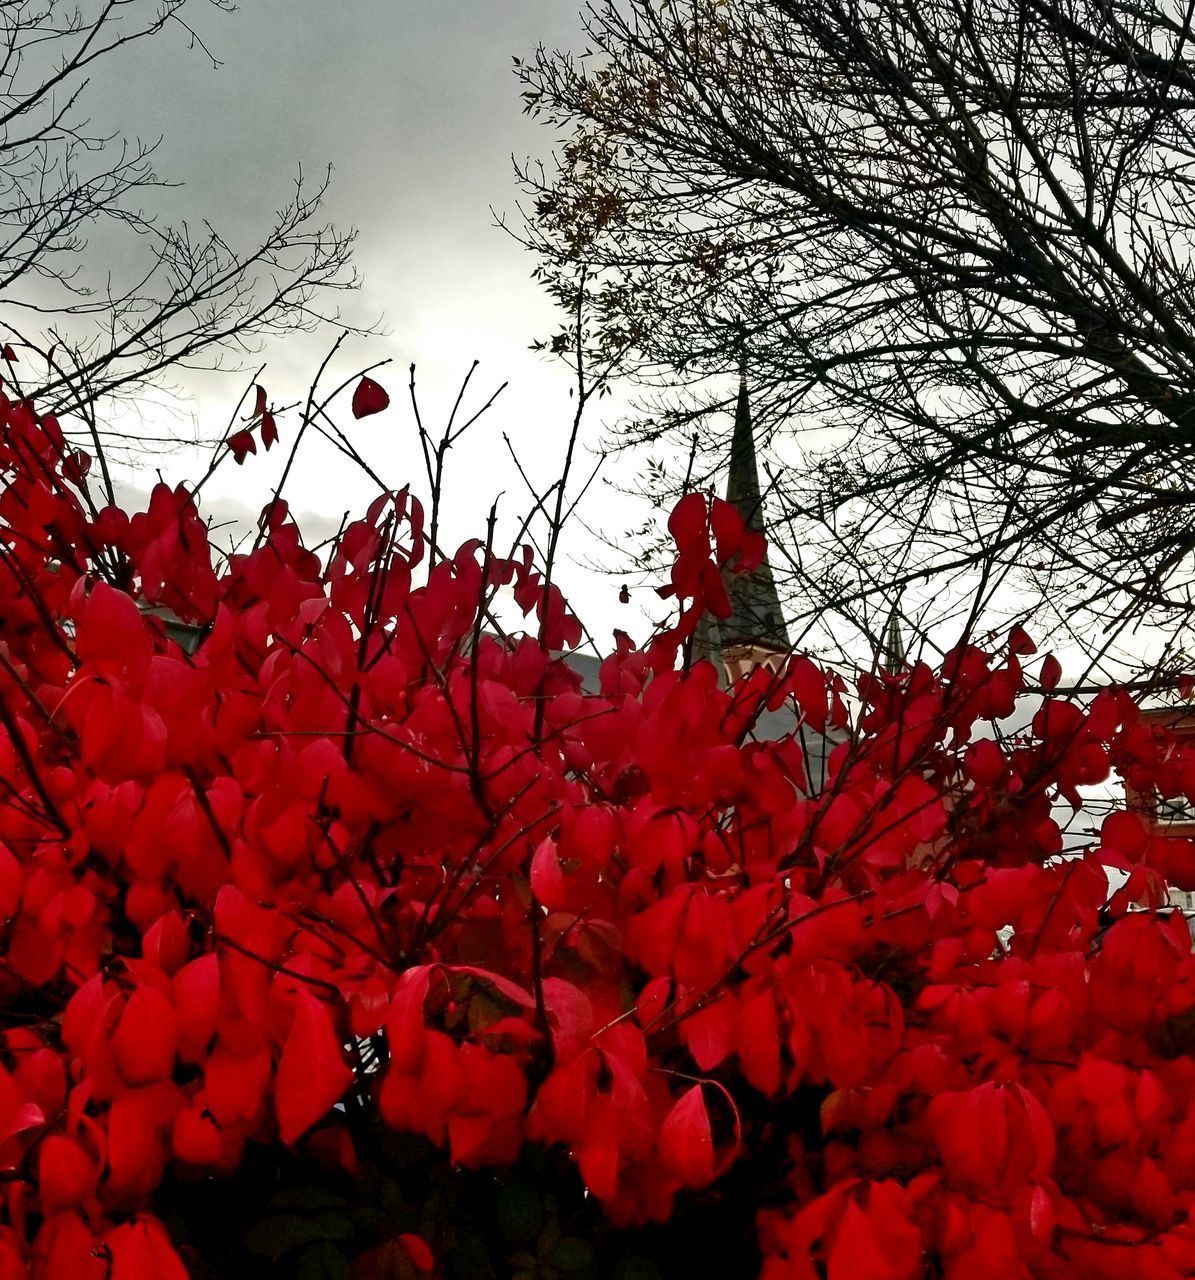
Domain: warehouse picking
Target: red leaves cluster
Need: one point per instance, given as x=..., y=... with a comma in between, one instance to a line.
x=242, y=442
x=711, y=539
x=354, y=848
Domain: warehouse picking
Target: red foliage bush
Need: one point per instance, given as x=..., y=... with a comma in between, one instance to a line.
x=356, y=866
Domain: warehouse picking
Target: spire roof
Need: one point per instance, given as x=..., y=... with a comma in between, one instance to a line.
x=742, y=482
x=755, y=617
x=892, y=656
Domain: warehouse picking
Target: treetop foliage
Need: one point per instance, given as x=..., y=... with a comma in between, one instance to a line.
x=955, y=239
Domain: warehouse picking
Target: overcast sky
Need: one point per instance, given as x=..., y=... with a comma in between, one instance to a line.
x=415, y=105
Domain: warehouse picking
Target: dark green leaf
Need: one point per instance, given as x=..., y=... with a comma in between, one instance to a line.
x=307, y=1200
x=572, y=1254
x=323, y=1262
x=335, y=1226
x=469, y=1259
x=280, y=1233
x=520, y=1211
x=636, y=1267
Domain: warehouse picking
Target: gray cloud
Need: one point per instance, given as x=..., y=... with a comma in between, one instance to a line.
x=416, y=107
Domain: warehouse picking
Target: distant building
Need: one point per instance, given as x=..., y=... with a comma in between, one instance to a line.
x=1175, y=817
x=755, y=633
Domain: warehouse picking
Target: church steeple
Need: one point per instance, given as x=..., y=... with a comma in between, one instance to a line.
x=742, y=482
x=755, y=617
x=754, y=632
x=892, y=656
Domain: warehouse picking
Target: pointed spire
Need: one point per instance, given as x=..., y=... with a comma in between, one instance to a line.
x=742, y=484
x=892, y=656
x=755, y=617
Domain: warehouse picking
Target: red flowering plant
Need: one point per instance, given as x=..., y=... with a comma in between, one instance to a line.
x=355, y=937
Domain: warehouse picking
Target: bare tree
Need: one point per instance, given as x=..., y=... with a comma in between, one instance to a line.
x=959, y=236
x=189, y=298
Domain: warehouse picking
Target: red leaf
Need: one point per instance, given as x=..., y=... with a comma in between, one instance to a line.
x=709, y=1032
x=234, y=1084
x=728, y=529
x=312, y=1073
x=759, y=1043
x=418, y=1250
x=111, y=627
x=136, y=1150
x=548, y=882
x=195, y=1138
x=368, y=1006
x=1051, y=673
x=242, y=444
x=570, y=1015
x=50, y=425
x=808, y=683
x=880, y=1242
x=1041, y=1214
x=12, y=877
x=985, y=763
x=75, y=466
x=406, y=1034
x=687, y=524
x=597, y=1158
x=141, y=1250
x=714, y=597
x=369, y=397
x=66, y=1250
x=686, y=1142
x=751, y=555
x=197, y=1000
x=146, y=1040
x=259, y=406
x=269, y=430
x=1019, y=641
x=66, y=1174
